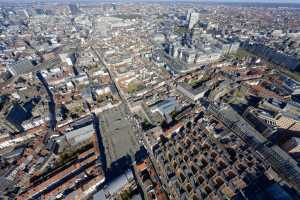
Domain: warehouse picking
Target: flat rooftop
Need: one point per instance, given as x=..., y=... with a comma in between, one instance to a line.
x=118, y=134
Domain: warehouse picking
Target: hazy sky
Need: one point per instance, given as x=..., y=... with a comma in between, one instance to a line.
x=251, y=1
x=261, y=1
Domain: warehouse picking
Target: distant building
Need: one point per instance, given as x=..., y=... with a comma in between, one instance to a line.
x=174, y=49
x=159, y=38
x=292, y=146
x=192, y=166
x=189, y=12
x=34, y=122
x=114, y=186
x=76, y=180
x=194, y=17
x=189, y=56
x=281, y=162
x=81, y=79
x=292, y=107
x=68, y=58
x=260, y=121
x=82, y=122
x=87, y=95
x=21, y=67
x=103, y=90
x=272, y=56
x=16, y=116
x=51, y=60
x=165, y=107
x=74, y=9
x=80, y=135
x=288, y=121
x=271, y=104
x=192, y=93
x=6, y=187
x=231, y=48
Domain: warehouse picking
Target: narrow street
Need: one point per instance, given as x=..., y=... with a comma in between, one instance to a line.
x=51, y=102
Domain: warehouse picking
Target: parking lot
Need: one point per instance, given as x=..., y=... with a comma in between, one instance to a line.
x=118, y=134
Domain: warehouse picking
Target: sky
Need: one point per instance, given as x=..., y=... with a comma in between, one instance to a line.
x=250, y=1
x=260, y=1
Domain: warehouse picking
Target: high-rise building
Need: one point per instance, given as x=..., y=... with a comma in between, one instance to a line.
x=170, y=50
x=114, y=6
x=74, y=9
x=194, y=17
x=175, y=51
x=188, y=16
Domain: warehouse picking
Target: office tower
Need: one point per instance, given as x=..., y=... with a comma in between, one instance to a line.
x=194, y=17
x=188, y=16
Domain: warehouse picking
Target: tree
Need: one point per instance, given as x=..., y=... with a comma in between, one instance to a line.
x=134, y=86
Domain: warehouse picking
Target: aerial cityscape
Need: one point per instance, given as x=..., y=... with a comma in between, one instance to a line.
x=154, y=100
